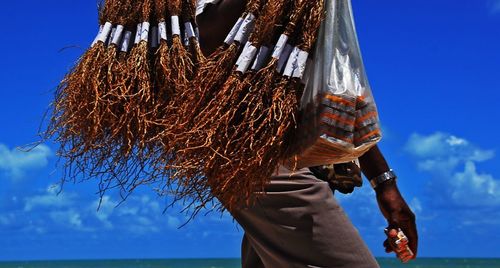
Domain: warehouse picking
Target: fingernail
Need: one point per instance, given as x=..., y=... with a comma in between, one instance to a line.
x=393, y=233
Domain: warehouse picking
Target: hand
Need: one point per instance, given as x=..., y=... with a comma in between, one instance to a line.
x=341, y=177
x=398, y=214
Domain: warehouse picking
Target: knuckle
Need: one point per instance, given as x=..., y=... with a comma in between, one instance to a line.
x=412, y=216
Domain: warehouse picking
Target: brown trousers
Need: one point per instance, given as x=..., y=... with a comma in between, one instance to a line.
x=298, y=223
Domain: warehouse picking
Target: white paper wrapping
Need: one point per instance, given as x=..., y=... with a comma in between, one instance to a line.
x=154, y=37
x=284, y=57
x=104, y=34
x=197, y=33
x=309, y=66
x=280, y=45
x=261, y=58
x=125, y=46
x=176, y=28
x=158, y=39
x=98, y=35
x=300, y=65
x=245, y=28
x=238, y=61
x=230, y=37
x=188, y=28
x=162, y=28
x=188, y=33
x=201, y=4
x=117, y=35
x=247, y=59
x=145, y=31
x=111, y=36
x=138, y=34
x=291, y=63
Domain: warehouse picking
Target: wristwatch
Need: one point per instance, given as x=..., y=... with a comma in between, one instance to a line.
x=386, y=176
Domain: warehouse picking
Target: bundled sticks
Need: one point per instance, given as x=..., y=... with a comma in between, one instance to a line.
x=106, y=110
x=216, y=125
x=144, y=106
x=237, y=139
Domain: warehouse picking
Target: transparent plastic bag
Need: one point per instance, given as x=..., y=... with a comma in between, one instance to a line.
x=338, y=119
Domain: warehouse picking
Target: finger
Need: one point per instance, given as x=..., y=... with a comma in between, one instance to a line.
x=410, y=230
x=414, y=242
x=387, y=246
x=393, y=223
x=393, y=233
x=355, y=168
x=404, y=256
x=405, y=260
x=407, y=257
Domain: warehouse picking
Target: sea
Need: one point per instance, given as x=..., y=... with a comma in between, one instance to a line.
x=235, y=263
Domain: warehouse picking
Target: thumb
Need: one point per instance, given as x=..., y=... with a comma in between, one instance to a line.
x=393, y=223
x=393, y=233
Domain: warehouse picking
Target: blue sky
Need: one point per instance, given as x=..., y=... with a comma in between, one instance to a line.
x=433, y=66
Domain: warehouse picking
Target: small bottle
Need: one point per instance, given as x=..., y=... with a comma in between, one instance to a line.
x=399, y=243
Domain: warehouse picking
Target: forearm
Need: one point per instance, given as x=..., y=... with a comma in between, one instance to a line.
x=373, y=163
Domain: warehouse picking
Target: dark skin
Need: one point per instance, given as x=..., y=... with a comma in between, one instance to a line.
x=390, y=201
x=215, y=23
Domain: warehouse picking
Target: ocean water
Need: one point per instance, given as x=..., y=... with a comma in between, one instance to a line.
x=235, y=263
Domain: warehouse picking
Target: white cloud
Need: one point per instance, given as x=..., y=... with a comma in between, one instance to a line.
x=70, y=218
x=143, y=225
x=416, y=206
x=441, y=152
x=50, y=199
x=441, y=145
x=495, y=6
x=6, y=219
x=106, y=209
x=49, y=211
x=362, y=207
x=173, y=222
x=477, y=189
x=141, y=213
x=15, y=163
x=453, y=163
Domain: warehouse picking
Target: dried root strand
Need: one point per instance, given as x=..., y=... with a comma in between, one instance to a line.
x=189, y=16
x=163, y=77
x=190, y=105
x=260, y=135
x=181, y=65
x=75, y=117
x=216, y=127
x=173, y=117
x=85, y=114
x=135, y=123
x=287, y=96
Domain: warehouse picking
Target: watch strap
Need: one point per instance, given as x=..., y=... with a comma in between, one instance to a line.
x=386, y=176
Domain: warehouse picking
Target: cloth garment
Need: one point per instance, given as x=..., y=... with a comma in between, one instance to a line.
x=298, y=223
x=201, y=4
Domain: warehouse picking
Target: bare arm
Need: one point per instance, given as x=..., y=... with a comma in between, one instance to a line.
x=391, y=202
x=216, y=22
